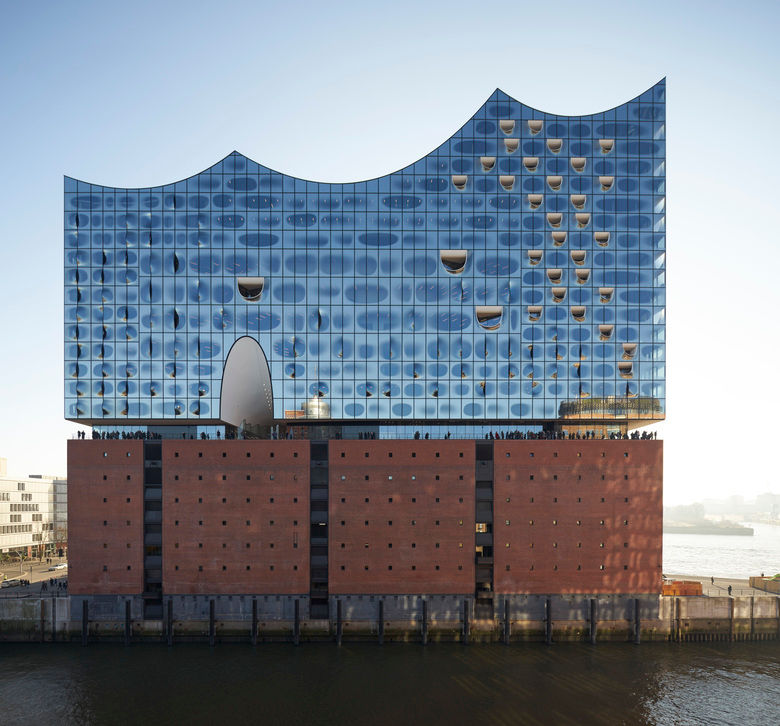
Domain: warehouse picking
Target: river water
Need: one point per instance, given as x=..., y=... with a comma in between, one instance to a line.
x=724, y=555
x=406, y=685
x=318, y=684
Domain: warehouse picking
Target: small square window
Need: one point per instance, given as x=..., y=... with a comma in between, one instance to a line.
x=531, y=477
x=200, y=454
x=105, y=500
x=555, y=477
x=104, y=477
x=200, y=477
x=200, y=568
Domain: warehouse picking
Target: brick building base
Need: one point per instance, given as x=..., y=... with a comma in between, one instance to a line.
x=406, y=517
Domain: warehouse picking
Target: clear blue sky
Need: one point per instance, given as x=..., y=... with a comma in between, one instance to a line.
x=144, y=93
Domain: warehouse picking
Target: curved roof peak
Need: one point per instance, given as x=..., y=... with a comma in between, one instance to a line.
x=499, y=108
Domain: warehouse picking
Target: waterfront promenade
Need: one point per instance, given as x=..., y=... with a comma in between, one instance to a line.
x=720, y=588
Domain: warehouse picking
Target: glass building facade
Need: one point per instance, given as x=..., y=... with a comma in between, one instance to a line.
x=515, y=274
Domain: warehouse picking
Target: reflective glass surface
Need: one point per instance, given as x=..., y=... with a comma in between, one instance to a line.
x=517, y=272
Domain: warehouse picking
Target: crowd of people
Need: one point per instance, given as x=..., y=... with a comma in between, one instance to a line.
x=370, y=435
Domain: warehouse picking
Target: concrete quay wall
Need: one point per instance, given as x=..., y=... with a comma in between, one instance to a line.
x=412, y=618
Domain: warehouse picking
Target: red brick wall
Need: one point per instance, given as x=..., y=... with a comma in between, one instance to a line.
x=205, y=517
x=587, y=472
x=436, y=506
x=98, y=514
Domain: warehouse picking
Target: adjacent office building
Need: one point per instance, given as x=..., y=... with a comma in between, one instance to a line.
x=33, y=514
x=416, y=385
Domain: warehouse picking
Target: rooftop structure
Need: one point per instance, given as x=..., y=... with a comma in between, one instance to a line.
x=514, y=275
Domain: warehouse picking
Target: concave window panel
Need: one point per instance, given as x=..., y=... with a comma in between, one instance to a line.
x=534, y=313
x=511, y=145
x=626, y=369
x=606, y=182
x=554, y=182
x=606, y=145
x=583, y=219
x=535, y=256
x=582, y=276
x=507, y=181
x=535, y=200
x=558, y=238
x=531, y=163
x=554, y=219
x=489, y=316
x=629, y=351
x=606, y=293
x=488, y=162
x=558, y=294
x=535, y=126
x=578, y=163
x=578, y=257
x=459, y=181
x=251, y=288
x=605, y=331
x=454, y=261
x=507, y=126
x=555, y=275
x=555, y=145
x=578, y=200
x=578, y=313
x=601, y=238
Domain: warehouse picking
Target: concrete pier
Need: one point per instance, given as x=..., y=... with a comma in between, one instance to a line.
x=518, y=618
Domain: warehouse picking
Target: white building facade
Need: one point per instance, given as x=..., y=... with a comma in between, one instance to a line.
x=33, y=514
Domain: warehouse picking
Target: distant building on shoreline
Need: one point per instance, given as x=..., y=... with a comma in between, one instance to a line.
x=33, y=514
